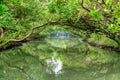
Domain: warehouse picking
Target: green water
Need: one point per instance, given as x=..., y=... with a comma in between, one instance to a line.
x=51, y=59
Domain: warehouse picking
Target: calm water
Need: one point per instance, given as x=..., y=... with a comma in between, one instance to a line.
x=55, y=59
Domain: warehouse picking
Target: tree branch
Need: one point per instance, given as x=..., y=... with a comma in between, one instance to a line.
x=103, y=2
x=31, y=32
x=1, y=32
x=12, y=42
x=82, y=4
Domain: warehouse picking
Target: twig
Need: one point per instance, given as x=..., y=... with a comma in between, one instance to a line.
x=82, y=4
x=103, y=2
x=2, y=32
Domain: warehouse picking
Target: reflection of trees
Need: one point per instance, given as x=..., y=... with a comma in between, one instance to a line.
x=94, y=71
x=19, y=62
x=9, y=66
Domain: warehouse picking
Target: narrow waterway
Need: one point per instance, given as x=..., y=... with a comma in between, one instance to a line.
x=59, y=55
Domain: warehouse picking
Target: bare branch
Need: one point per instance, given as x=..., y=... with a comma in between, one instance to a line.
x=103, y=2
x=1, y=32
x=82, y=4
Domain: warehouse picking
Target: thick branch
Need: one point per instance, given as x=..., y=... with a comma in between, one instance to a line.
x=106, y=47
x=14, y=41
x=29, y=34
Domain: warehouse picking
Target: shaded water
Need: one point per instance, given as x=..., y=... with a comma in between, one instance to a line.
x=54, y=59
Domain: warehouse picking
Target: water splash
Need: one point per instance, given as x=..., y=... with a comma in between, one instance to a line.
x=54, y=66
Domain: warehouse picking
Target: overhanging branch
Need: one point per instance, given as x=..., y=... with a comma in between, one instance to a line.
x=16, y=41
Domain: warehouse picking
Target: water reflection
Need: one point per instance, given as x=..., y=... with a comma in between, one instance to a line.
x=43, y=60
x=63, y=39
x=62, y=35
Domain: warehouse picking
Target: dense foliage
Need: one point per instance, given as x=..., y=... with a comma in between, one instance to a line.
x=17, y=17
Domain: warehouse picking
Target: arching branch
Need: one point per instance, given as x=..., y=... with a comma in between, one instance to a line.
x=17, y=41
x=31, y=32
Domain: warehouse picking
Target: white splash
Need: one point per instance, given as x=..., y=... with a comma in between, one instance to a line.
x=54, y=65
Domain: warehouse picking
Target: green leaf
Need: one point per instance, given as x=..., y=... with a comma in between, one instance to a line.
x=114, y=27
x=107, y=1
x=52, y=8
x=107, y=10
x=1, y=1
x=95, y=14
x=3, y=9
